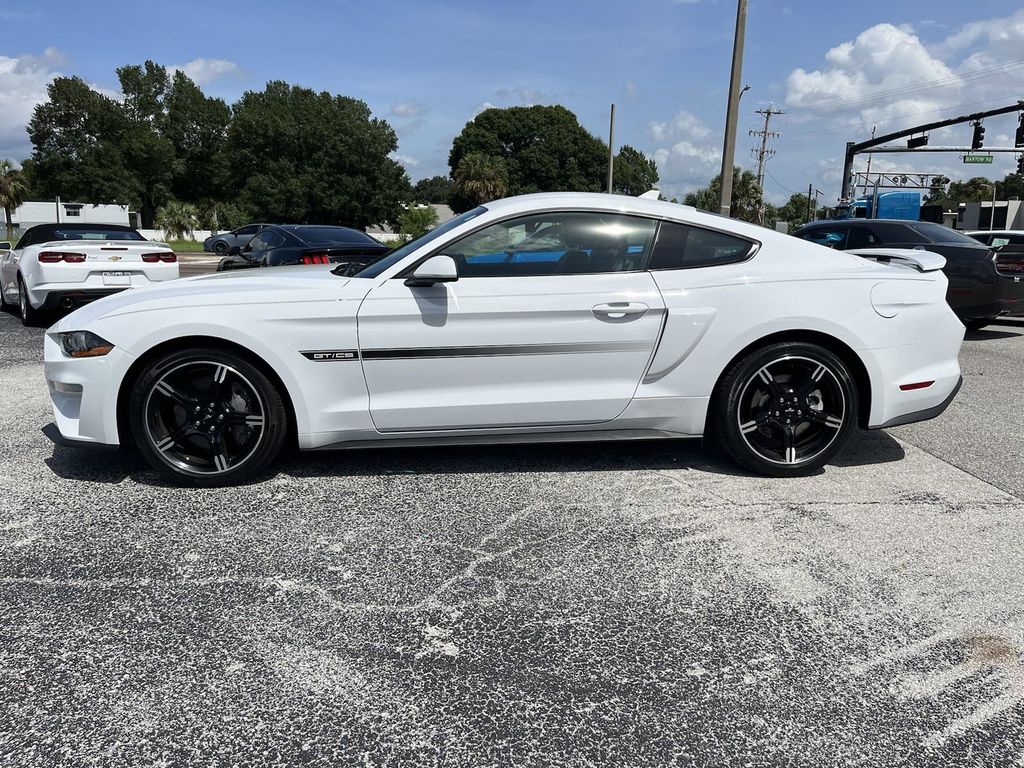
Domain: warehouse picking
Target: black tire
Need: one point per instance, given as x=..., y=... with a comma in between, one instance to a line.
x=977, y=324
x=29, y=316
x=807, y=404
x=207, y=417
x=221, y=248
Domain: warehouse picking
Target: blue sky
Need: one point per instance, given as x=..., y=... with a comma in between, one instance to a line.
x=427, y=67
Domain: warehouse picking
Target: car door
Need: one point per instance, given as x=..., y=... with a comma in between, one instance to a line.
x=258, y=247
x=9, y=267
x=552, y=321
x=243, y=235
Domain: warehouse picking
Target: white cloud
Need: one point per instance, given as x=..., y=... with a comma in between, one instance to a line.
x=687, y=157
x=23, y=82
x=483, y=108
x=527, y=96
x=406, y=160
x=205, y=71
x=888, y=77
x=408, y=109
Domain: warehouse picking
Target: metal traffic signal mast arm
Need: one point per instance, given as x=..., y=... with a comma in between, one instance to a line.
x=855, y=148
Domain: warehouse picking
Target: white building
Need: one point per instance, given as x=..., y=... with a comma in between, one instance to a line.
x=29, y=214
x=1009, y=214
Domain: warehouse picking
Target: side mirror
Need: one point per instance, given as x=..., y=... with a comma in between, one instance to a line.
x=5, y=246
x=234, y=250
x=436, y=269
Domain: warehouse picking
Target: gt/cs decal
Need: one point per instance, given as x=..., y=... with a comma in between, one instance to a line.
x=330, y=355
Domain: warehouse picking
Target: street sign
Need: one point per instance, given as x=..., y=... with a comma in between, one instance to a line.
x=978, y=159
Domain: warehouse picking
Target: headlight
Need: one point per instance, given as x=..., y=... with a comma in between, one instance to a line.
x=83, y=344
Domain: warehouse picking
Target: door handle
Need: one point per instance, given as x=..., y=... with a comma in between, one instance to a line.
x=620, y=310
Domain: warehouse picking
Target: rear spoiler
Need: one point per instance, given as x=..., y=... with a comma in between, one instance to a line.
x=921, y=260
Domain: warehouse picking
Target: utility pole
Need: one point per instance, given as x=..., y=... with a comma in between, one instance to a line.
x=611, y=148
x=729, y=147
x=810, y=198
x=873, y=129
x=764, y=153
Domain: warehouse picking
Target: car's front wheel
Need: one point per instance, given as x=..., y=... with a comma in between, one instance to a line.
x=207, y=417
x=221, y=248
x=786, y=409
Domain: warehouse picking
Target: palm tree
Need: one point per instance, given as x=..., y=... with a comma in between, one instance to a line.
x=481, y=178
x=177, y=219
x=13, y=189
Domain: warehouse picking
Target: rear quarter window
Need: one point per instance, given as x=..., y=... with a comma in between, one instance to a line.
x=680, y=246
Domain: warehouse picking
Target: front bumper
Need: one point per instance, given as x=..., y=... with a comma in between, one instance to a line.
x=84, y=392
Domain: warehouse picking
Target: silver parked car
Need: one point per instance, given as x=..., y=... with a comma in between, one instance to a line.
x=222, y=243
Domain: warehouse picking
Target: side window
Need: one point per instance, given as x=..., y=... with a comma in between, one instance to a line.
x=862, y=237
x=684, y=247
x=555, y=243
x=830, y=237
x=246, y=231
x=260, y=242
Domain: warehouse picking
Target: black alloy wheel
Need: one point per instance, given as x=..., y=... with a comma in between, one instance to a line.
x=221, y=248
x=786, y=410
x=207, y=417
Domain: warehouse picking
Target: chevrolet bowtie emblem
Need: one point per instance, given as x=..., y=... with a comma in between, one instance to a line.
x=115, y=258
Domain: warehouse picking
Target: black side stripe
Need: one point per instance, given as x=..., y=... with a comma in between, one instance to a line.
x=499, y=350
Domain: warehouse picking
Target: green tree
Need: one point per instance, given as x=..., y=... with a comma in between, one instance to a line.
x=746, y=195
x=74, y=154
x=196, y=125
x=436, y=189
x=13, y=190
x=300, y=156
x=415, y=221
x=794, y=211
x=542, y=148
x=634, y=172
x=177, y=219
x=479, y=178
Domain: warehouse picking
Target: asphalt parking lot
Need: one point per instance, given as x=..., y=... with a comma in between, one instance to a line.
x=633, y=604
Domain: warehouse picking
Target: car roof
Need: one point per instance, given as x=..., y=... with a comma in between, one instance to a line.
x=625, y=204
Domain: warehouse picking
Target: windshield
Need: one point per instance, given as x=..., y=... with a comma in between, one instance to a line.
x=937, y=233
x=400, y=253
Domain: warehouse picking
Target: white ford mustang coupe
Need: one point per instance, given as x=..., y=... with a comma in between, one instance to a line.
x=560, y=316
x=62, y=266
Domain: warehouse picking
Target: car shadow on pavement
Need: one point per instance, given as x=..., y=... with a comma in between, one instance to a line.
x=989, y=334
x=84, y=465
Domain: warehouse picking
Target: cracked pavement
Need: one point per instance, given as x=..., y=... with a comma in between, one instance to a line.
x=607, y=604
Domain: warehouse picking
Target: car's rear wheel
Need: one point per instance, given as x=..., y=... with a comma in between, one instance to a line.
x=220, y=248
x=29, y=315
x=207, y=417
x=785, y=410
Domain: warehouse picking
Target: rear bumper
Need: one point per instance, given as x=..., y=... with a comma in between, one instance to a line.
x=934, y=358
x=925, y=414
x=1003, y=297
x=75, y=298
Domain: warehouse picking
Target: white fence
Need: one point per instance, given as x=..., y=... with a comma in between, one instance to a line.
x=160, y=236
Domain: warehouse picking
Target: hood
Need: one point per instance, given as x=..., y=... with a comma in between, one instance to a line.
x=257, y=286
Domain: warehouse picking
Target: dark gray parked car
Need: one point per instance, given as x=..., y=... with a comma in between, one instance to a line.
x=983, y=283
x=222, y=243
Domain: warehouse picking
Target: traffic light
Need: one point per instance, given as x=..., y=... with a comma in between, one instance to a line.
x=1018, y=140
x=1020, y=165
x=979, y=136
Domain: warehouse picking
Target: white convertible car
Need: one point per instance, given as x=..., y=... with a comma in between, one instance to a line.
x=62, y=266
x=546, y=317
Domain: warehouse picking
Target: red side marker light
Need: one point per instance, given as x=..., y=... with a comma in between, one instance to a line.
x=916, y=385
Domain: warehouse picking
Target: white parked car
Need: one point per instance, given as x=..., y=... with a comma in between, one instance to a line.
x=546, y=317
x=62, y=266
